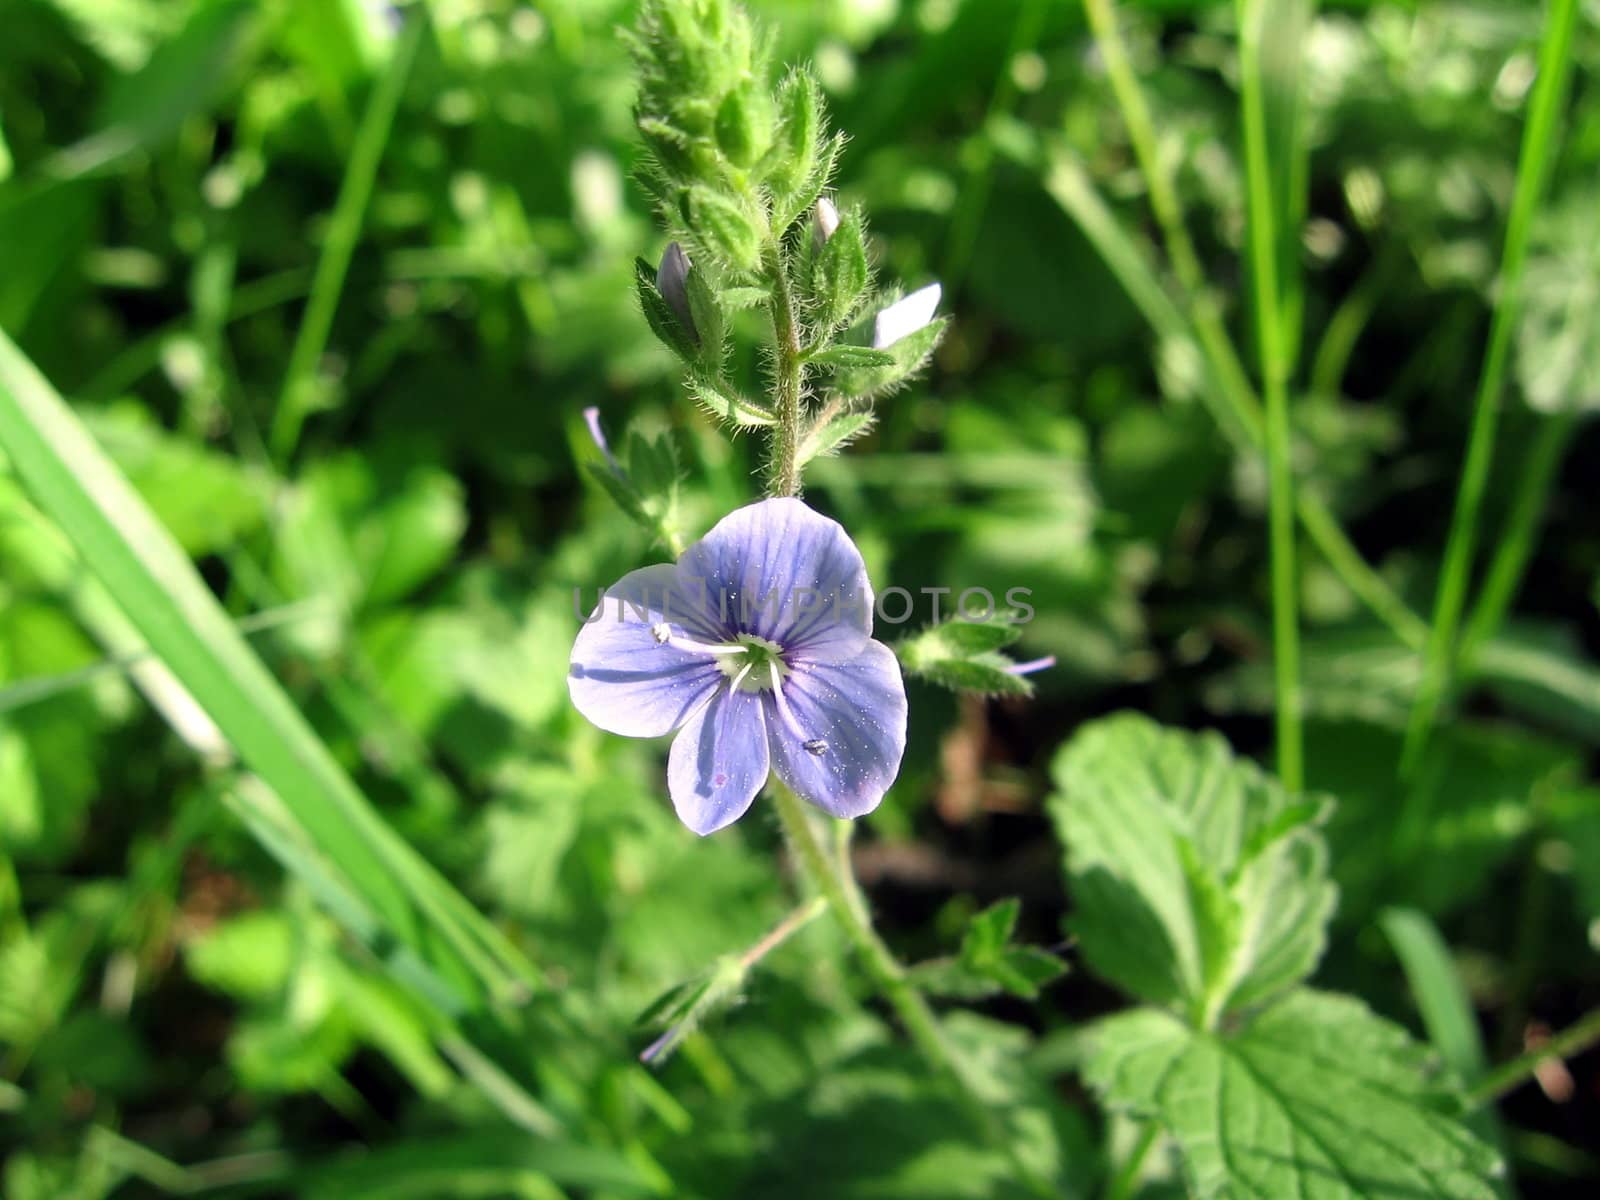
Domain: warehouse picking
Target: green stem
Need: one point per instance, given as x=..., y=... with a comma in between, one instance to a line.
x=1274, y=354
x=1511, y=556
x=344, y=230
x=1122, y=1184
x=838, y=887
x=1573, y=1040
x=788, y=378
x=1538, y=151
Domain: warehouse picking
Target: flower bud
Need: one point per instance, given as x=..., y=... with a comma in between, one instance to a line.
x=744, y=126
x=824, y=220
x=726, y=227
x=672, y=281
x=839, y=267
x=905, y=317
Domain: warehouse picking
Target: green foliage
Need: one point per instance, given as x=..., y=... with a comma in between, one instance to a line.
x=1315, y=1096
x=298, y=831
x=964, y=656
x=988, y=962
x=1201, y=883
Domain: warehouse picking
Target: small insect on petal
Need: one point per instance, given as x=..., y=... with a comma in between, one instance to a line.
x=905, y=316
x=816, y=746
x=672, y=281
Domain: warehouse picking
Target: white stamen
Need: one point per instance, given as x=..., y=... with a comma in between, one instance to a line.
x=662, y=632
x=786, y=715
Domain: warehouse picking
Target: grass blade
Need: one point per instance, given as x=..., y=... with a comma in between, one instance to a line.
x=1533, y=168
x=164, y=599
x=1273, y=343
x=344, y=231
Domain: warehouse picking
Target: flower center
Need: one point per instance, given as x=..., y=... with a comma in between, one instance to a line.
x=750, y=664
x=760, y=668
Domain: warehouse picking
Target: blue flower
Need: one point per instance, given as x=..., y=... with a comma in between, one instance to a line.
x=756, y=647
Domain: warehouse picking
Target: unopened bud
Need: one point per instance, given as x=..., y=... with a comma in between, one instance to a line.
x=905, y=317
x=824, y=220
x=672, y=281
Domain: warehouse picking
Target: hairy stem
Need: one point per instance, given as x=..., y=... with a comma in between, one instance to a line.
x=828, y=871
x=788, y=378
x=830, y=875
x=1533, y=167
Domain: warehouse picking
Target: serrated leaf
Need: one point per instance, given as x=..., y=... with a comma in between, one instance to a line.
x=1317, y=1097
x=1199, y=883
x=852, y=357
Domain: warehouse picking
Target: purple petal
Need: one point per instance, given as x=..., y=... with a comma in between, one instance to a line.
x=718, y=762
x=857, y=706
x=792, y=573
x=621, y=677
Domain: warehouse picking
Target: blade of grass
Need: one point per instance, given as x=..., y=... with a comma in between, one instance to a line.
x=1236, y=396
x=1533, y=168
x=168, y=604
x=344, y=230
x=1273, y=343
x=1441, y=999
x=1444, y=1005
x=1228, y=396
x=1504, y=578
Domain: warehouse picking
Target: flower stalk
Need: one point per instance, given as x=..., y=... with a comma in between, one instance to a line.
x=831, y=877
x=788, y=378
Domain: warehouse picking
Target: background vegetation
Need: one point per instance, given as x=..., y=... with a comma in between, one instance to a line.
x=331, y=288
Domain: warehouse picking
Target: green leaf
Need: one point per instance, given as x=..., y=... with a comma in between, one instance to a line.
x=852, y=356
x=839, y=275
x=981, y=676
x=393, y=900
x=1199, y=883
x=249, y=956
x=1558, y=341
x=911, y=354
x=834, y=435
x=722, y=401
x=794, y=161
x=986, y=950
x=1316, y=1097
x=727, y=227
x=658, y=314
